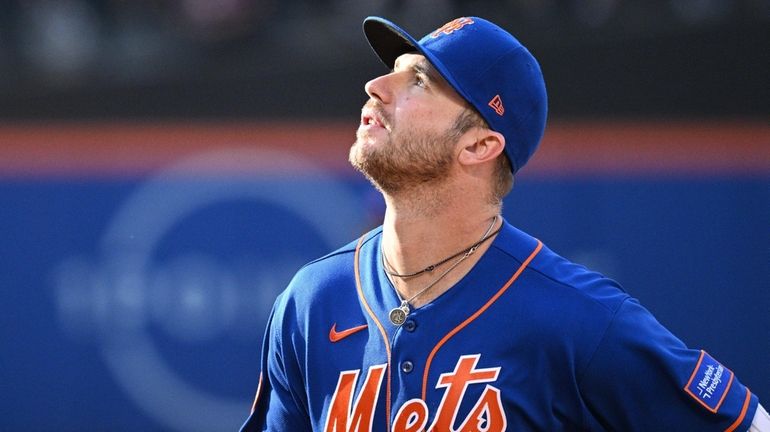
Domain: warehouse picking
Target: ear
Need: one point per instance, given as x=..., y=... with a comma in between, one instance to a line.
x=481, y=145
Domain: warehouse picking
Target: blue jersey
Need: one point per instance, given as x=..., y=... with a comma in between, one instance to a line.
x=526, y=341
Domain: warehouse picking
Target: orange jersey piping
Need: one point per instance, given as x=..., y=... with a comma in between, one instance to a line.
x=476, y=315
x=376, y=321
x=740, y=418
x=256, y=396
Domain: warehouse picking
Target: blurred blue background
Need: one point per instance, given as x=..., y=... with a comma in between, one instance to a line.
x=166, y=166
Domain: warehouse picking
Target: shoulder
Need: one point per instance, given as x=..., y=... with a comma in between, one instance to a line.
x=556, y=279
x=565, y=309
x=333, y=265
x=327, y=275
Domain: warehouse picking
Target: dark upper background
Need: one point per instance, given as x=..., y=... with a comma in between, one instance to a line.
x=171, y=59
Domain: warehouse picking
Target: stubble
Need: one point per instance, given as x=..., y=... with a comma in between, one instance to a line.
x=407, y=158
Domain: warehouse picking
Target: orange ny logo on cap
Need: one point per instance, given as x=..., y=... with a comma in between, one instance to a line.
x=497, y=104
x=452, y=27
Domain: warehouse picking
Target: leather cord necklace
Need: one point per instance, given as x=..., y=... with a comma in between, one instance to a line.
x=398, y=315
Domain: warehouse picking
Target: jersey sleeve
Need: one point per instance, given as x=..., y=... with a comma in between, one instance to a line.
x=279, y=402
x=642, y=378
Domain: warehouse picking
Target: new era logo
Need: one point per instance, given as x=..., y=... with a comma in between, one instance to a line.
x=451, y=27
x=497, y=104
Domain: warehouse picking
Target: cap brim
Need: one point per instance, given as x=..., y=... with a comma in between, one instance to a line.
x=388, y=40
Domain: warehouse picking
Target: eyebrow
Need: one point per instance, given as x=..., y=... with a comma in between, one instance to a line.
x=425, y=68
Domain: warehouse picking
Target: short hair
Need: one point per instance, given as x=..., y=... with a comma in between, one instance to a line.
x=470, y=118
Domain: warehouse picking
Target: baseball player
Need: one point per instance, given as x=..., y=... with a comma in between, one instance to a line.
x=447, y=318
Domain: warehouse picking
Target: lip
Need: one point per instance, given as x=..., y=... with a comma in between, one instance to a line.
x=369, y=118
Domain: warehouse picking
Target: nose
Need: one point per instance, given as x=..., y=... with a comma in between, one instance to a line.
x=378, y=88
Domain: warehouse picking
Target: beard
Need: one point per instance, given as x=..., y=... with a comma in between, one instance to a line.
x=408, y=159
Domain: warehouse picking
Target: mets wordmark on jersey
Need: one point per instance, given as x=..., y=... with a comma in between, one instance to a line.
x=487, y=413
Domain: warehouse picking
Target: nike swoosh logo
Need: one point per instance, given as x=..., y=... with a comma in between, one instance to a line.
x=336, y=336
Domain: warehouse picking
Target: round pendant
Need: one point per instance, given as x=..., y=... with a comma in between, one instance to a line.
x=397, y=316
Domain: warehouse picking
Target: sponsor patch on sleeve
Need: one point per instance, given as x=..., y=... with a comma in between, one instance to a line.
x=709, y=382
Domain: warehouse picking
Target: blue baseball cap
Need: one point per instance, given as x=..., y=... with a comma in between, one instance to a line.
x=487, y=66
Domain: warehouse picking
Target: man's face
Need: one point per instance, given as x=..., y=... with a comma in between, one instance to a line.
x=407, y=135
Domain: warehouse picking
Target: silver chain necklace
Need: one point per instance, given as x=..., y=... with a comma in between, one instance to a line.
x=398, y=314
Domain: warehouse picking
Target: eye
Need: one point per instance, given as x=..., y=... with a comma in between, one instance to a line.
x=419, y=80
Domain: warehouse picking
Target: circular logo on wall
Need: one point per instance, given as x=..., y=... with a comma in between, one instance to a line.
x=188, y=270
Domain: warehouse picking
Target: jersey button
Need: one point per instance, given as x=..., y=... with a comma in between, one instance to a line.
x=410, y=325
x=407, y=367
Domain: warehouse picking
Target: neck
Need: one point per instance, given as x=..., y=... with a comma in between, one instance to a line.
x=423, y=229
